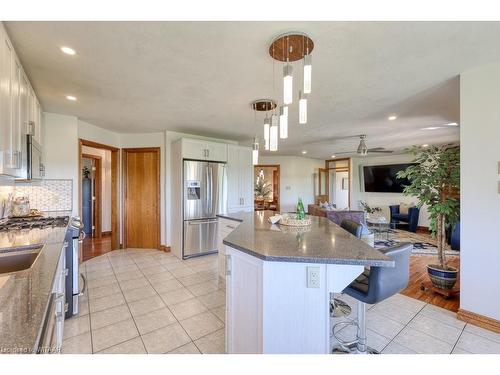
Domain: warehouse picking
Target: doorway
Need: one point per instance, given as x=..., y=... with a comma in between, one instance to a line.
x=141, y=191
x=335, y=183
x=104, y=188
x=91, y=195
x=267, y=187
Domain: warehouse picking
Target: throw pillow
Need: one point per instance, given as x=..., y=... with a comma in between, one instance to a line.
x=403, y=208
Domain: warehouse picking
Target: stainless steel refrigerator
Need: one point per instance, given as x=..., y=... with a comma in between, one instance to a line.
x=205, y=196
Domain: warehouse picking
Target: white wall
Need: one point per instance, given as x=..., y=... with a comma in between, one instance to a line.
x=479, y=191
x=297, y=178
x=60, y=149
x=93, y=133
x=105, y=156
x=382, y=200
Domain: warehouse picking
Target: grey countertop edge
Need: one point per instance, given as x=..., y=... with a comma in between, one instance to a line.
x=231, y=217
x=302, y=259
x=36, y=344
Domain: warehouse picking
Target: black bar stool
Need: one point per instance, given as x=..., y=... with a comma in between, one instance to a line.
x=372, y=286
x=339, y=308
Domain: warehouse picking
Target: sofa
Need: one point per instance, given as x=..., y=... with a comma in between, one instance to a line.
x=338, y=216
x=316, y=210
x=411, y=218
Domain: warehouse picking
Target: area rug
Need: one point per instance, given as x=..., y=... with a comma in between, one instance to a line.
x=423, y=244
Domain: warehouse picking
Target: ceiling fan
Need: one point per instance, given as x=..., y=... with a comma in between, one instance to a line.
x=363, y=149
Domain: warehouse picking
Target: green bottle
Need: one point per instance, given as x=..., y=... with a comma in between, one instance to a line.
x=301, y=214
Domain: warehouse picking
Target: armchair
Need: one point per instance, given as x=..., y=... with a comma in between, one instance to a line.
x=411, y=218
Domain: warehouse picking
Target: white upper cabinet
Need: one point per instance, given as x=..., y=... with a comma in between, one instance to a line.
x=203, y=150
x=10, y=150
x=20, y=111
x=239, y=179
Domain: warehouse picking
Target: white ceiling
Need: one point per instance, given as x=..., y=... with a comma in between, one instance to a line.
x=200, y=77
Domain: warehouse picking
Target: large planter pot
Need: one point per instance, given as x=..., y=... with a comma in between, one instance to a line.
x=442, y=278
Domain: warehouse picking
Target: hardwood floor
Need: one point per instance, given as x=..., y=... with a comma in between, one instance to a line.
x=93, y=247
x=418, y=273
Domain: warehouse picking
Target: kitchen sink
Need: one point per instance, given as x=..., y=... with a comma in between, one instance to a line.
x=18, y=258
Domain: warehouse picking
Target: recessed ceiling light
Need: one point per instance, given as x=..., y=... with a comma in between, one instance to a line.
x=392, y=117
x=68, y=51
x=71, y=97
x=425, y=145
x=333, y=156
x=304, y=152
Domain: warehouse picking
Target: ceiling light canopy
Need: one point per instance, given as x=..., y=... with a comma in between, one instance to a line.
x=71, y=97
x=68, y=51
x=304, y=152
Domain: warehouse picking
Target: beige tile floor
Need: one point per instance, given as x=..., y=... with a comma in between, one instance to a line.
x=147, y=301
x=403, y=325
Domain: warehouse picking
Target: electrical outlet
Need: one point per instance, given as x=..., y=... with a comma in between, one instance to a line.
x=313, y=277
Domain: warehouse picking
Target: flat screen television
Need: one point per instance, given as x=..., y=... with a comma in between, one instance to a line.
x=382, y=178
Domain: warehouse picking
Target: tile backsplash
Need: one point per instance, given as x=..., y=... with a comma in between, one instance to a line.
x=48, y=195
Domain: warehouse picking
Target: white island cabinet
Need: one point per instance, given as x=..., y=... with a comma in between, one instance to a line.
x=279, y=281
x=270, y=308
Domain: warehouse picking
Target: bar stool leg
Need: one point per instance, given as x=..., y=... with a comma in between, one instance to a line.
x=362, y=347
x=361, y=335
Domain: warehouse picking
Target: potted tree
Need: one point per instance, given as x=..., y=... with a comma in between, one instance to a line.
x=433, y=178
x=262, y=191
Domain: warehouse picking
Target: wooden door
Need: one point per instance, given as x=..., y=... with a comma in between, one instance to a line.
x=141, y=174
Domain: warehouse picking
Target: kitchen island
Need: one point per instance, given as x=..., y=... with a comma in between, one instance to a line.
x=279, y=280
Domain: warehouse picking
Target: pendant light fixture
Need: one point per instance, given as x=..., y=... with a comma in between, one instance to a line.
x=283, y=122
x=288, y=48
x=287, y=84
x=273, y=141
x=302, y=108
x=255, y=152
x=267, y=128
x=307, y=74
x=263, y=105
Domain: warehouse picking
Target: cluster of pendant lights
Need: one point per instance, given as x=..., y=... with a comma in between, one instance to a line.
x=293, y=47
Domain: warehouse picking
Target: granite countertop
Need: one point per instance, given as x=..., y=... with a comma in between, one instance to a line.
x=24, y=295
x=321, y=242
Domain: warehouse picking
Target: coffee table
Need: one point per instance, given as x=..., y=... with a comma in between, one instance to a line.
x=381, y=228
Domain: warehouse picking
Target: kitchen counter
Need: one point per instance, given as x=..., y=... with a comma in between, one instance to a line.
x=24, y=295
x=322, y=242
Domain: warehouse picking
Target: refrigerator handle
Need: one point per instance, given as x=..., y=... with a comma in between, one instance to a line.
x=207, y=195
x=211, y=191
